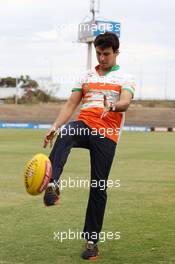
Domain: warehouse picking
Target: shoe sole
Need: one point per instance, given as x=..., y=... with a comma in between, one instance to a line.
x=91, y=258
x=55, y=203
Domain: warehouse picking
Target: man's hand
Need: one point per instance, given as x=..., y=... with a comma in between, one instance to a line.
x=52, y=132
x=107, y=107
x=119, y=106
x=63, y=117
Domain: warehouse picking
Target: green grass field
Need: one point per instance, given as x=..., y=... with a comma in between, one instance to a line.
x=142, y=209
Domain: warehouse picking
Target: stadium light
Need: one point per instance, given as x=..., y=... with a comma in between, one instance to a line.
x=89, y=30
x=94, y=7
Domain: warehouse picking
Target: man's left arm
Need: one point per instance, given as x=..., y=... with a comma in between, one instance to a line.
x=124, y=102
x=119, y=106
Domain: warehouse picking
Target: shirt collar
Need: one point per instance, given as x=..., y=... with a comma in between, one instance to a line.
x=114, y=68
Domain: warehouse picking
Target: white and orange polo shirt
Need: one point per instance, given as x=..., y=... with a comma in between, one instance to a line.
x=93, y=88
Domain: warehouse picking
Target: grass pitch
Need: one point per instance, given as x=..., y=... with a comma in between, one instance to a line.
x=142, y=209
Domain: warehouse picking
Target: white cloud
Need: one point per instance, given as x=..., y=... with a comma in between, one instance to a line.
x=47, y=35
x=31, y=38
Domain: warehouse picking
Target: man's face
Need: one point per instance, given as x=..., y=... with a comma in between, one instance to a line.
x=106, y=57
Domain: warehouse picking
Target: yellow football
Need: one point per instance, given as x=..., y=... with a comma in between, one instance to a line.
x=37, y=174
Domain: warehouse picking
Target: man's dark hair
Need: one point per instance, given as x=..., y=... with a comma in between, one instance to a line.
x=107, y=40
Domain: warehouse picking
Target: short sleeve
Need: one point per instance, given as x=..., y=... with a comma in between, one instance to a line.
x=78, y=88
x=129, y=84
x=78, y=84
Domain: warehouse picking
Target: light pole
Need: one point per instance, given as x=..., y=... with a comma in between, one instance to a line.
x=167, y=69
x=139, y=72
x=94, y=8
x=140, y=79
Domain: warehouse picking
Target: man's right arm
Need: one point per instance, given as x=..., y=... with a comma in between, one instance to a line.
x=64, y=115
x=68, y=109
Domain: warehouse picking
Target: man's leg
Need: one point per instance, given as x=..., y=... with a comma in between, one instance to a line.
x=60, y=152
x=69, y=137
x=102, y=151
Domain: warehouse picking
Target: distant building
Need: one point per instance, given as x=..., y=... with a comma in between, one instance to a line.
x=6, y=92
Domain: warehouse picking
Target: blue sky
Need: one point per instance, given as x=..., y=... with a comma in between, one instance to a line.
x=31, y=41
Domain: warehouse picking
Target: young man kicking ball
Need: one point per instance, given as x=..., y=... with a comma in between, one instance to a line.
x=105, y=94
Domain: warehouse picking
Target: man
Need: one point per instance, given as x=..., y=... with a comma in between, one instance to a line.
x=105, y=93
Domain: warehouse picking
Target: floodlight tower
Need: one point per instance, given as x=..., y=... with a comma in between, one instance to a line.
x=89, y=30
x=94, y=8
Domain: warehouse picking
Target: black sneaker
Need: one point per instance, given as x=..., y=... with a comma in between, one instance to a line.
x=52, y=194
x=91, y=251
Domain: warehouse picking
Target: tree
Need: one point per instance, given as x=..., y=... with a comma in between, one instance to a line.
x=11, y=82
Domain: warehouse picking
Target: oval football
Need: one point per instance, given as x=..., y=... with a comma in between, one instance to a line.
x=37, y=174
